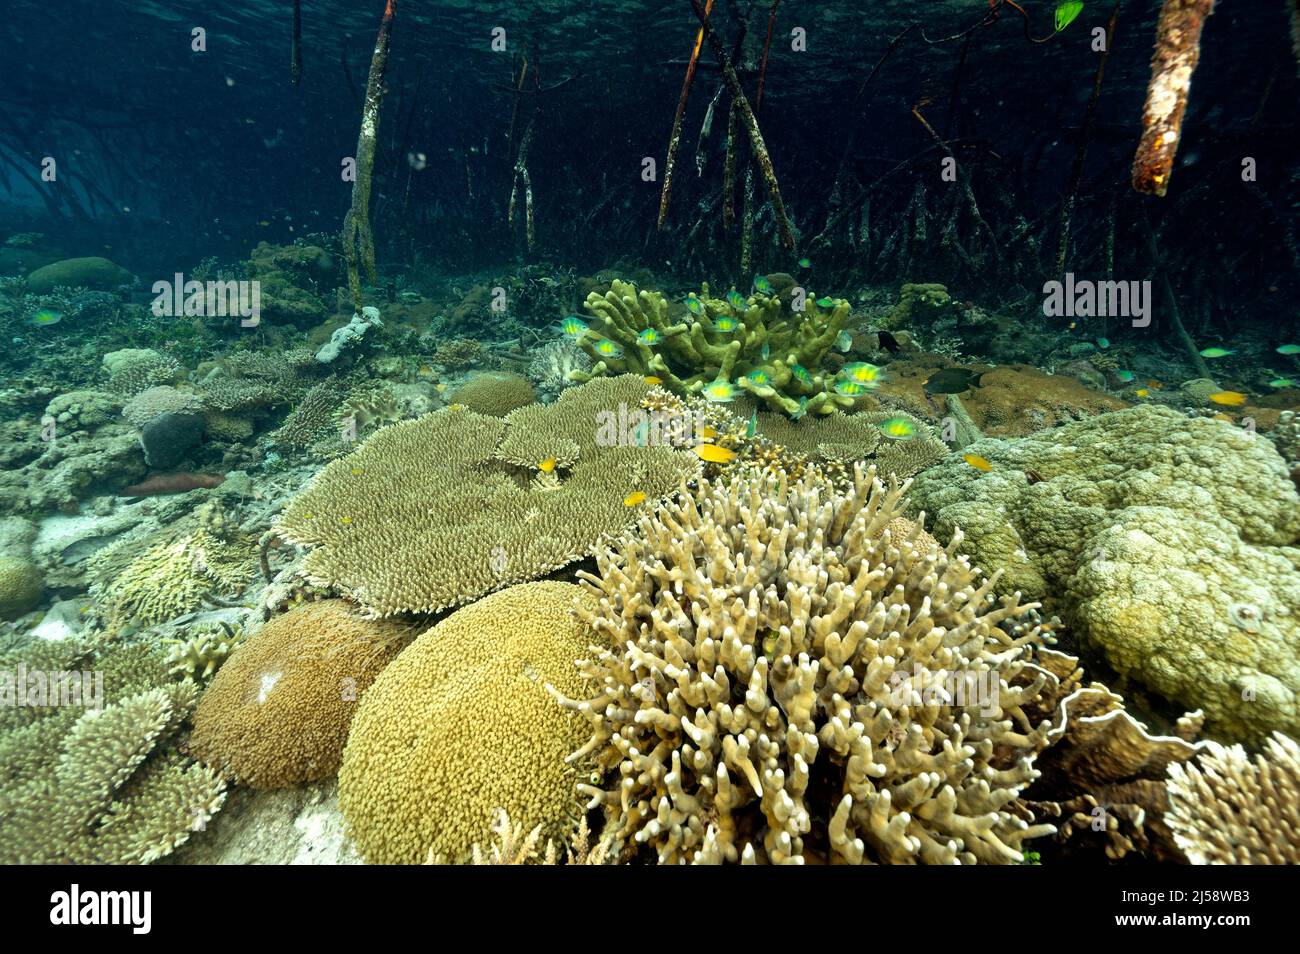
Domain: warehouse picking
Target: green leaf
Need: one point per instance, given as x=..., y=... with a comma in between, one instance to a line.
x=1066, y=12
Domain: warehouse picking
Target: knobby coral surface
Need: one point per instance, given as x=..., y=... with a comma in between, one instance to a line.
x=1170, y=544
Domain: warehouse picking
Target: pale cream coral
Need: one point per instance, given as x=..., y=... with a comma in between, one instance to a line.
x=1226, y=809
x=460, y=726
x=781, y=678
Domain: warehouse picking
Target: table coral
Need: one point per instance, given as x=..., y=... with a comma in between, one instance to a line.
x=1171, y=544
x=431, y=513
x=460, y=727
x=786, y=673
x=690, y=351
x=100, y=785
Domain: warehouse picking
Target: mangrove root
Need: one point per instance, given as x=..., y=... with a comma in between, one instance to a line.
x=1178, y=47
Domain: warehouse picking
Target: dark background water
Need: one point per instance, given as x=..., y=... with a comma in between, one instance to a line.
x=170, y=156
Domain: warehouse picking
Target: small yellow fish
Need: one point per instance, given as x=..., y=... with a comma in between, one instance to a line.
x=425, y=371
x=1223, y=417
x=634, y=498
x=651, y=379
x=976, y=461
x=1142, y=392
x=1228, y=398
x=440, y=387
x=308, y=516
x=547, y=466
x=715, y=454
x=345, y=520
x=708, y=433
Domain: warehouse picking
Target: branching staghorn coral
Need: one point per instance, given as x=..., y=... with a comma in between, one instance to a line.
x=786, y=674
x=432, y=513
x=512, y=845
x=170, y=577
x=1226, y=809
x=690, y=352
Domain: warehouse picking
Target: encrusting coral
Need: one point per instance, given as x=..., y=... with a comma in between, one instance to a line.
x=460, y=727
x=277, y=713
x=431, y=513
x=1168, y=544
x=769, y=345
x=1226, y=809
x=786, y=673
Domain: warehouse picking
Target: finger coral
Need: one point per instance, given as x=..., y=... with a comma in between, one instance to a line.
x=1167, y=543
x=769, y=345
x=1226, y=809
x=781, y=677
x=277, y=713
x=431, y=513
x=460, y=727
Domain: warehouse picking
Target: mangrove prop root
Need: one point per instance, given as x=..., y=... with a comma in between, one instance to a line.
x=756, y=142
x=358, y=242
x=729, y=167
x=706, y=133
x=675, y=138
x=767, y=49
x=295, y=49
x=1178, y=47
x=1081, y=153
x=522, y=176
x=1171, y=300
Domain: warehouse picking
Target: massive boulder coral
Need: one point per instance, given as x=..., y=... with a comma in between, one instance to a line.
x=761, y=343
x=431, y=513
x=460, y=727
x=1226, y=809
x=1170, y=544
x=278, y=712
x=786, y=673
